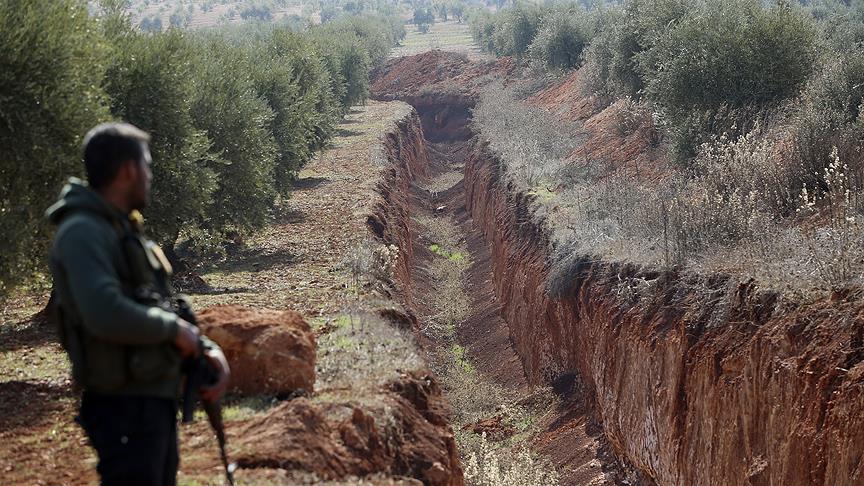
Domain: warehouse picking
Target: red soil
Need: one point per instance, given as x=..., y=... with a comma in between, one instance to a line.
x=436, y=72
x=270, y=352
x=608, y=148
x=340, y=439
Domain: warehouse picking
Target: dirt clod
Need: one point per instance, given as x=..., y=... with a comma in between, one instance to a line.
x=259, y=342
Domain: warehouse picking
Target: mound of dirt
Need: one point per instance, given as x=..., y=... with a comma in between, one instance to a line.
x=403, y=434
x=435, y=71
x=619, y=137
x=269, y=351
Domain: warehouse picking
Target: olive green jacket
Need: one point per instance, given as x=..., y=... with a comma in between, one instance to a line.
x=116, y=345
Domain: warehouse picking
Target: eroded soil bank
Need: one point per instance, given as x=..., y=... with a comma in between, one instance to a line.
x=696, y=380
x=693, y=379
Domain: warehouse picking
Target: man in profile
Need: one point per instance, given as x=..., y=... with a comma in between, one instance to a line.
x=118, y=313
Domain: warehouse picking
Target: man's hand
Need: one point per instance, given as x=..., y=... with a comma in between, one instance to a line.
x=212, y=393
x=186, y=340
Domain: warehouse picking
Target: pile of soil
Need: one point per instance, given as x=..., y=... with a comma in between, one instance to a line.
x=270, y=352
x=403, y=433
x=439, y=72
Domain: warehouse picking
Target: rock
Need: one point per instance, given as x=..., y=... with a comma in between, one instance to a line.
x=270, y=351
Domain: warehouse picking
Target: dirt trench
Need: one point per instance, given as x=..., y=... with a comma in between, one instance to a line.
x=434, y=226
x=685, y=379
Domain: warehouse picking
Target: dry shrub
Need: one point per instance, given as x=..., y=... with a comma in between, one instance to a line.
x=730, y=196
x=736, y=207
x=835, y=244
x=490, y=465
x=533, y=144
x=370, y=262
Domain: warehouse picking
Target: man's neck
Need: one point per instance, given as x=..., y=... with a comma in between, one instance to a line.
x=116, y=199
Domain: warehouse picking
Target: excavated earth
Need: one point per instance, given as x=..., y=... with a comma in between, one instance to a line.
x=689, y=379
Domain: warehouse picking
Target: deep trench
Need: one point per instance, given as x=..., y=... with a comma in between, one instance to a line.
x=565, y=435
x=692, y=378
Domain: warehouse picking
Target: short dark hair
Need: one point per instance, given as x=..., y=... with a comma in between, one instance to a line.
x=107, y=146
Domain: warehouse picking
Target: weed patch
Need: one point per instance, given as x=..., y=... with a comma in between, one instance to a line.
x=365, y=354
x=473, y=396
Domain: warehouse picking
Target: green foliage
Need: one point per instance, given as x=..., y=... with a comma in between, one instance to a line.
x=514, y=29
x=51, y=67
x=457, y=11
x=353, y=67
x=482, y=25
x=735, y=57
x=441, y=10
x=238, y=122
x=423, y=18
x=735, y=53
x=234, y=113
x=180, y=18
x=151, y=84
x=298, y=87
x=831, y=116
x=841, y=23
x=151, y=24
x=560, y=40
x=627, y=32
x=376, y=33
x=708, y=67
x=257, y=10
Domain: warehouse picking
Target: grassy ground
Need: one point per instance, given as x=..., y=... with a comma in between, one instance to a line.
x=447, y=36
x=297, y=262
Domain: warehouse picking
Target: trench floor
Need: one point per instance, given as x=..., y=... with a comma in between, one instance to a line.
x=498, y=417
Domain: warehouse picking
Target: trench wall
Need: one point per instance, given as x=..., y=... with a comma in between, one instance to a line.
x=405, y=157
x=696, y=380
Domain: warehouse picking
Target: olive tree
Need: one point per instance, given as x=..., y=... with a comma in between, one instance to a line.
x=51, y=68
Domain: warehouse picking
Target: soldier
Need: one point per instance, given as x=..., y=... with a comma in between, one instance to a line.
x=117, y=312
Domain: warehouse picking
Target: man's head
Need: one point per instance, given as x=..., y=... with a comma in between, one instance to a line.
x=117, y=159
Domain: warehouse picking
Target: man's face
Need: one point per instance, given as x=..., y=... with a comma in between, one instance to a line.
x=139, y=191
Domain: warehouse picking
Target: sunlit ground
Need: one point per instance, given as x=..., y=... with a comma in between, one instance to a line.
x=447, y=36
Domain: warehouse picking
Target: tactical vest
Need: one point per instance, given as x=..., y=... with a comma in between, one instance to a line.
x=105, y=366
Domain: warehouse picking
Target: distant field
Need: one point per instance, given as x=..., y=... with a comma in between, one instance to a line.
x=218, y=13
x=447, y=36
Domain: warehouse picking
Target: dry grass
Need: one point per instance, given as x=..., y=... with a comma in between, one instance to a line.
x=533, y=145
x=449, y=299
x=363, y=351
x=737, y=208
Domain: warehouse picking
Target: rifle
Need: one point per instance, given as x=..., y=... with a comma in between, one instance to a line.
x=200, y=373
